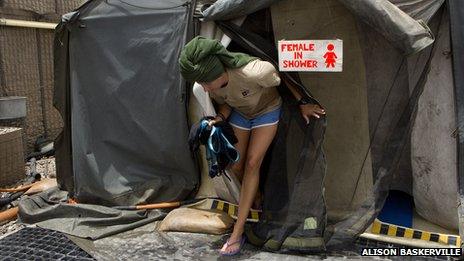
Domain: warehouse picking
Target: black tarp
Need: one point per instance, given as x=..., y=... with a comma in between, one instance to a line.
x=50, y=209
x=123, y=102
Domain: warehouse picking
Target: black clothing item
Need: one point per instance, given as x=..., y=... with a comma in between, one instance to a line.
x=196, y=137
x=218, y=140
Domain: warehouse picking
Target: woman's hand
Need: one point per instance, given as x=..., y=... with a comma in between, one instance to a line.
x=212, y=122
x=311, y=110
x=307, y=109
x=222, y=115
x=215, y=120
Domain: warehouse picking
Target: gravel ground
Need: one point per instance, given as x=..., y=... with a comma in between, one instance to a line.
x=46, y=168
x=146, y=243
x=10, y=227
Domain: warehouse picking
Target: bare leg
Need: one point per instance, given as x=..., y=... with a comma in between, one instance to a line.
x=243, y=137
x=260, y=140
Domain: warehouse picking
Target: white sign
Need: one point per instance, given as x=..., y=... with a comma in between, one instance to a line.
x=311, y=55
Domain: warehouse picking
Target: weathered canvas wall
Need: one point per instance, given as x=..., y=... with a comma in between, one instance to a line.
x=26, y=65
x=343, y=95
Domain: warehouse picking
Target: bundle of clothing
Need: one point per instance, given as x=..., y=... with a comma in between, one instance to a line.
x=219, y=140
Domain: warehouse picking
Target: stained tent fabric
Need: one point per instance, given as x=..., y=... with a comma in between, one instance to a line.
x=434, y=163
x=404, y=32
x=123, y=100
x=456, y=10
x=419, y=10
x=394, y=84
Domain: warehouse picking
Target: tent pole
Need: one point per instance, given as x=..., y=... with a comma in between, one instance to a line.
x=28, y=24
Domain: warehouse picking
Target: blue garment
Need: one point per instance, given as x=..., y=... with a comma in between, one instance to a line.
x=267, y=119
x=219, y=151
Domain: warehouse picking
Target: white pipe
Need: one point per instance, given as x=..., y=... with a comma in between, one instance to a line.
x=29, y=24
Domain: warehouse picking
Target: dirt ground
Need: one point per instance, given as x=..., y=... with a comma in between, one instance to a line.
x=146, y=243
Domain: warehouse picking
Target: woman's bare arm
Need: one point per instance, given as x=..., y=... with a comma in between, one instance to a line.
x=291, y=88
x=223, y=112
x=307, y=110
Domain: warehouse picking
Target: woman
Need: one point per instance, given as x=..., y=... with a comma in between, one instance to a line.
x=244, y=88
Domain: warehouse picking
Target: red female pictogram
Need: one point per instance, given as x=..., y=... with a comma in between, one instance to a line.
x=330, y=56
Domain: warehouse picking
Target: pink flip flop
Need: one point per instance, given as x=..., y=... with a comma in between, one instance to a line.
x=241, y=242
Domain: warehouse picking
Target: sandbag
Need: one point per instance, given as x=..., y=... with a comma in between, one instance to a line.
x=197, y=221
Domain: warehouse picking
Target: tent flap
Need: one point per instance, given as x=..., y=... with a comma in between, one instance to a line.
x=456, y=10
x=419, y=10
x=404, y=32
x=125, y=135
x=226, y=9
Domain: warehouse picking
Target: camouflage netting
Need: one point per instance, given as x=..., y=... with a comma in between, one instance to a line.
x=26, y=65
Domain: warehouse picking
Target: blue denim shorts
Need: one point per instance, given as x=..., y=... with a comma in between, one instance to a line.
x=267, y=119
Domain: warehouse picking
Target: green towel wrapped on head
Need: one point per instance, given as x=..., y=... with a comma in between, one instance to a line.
x=203, y=60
